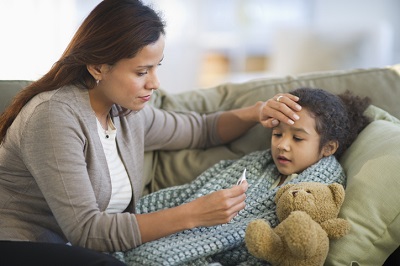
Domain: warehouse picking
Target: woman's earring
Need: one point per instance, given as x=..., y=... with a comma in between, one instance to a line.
x=97, y=82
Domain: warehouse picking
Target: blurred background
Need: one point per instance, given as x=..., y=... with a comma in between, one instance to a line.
x=210, y=42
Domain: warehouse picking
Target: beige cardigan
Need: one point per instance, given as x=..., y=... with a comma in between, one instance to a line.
x=54, y=180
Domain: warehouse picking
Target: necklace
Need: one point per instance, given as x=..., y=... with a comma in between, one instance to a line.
x=108, y=131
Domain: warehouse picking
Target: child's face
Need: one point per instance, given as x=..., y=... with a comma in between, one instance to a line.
x=296, y=147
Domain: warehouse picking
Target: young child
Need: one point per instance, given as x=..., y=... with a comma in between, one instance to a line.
x=305, y=151
x=328, y=126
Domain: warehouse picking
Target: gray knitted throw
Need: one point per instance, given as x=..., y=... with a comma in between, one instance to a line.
x=223, y=243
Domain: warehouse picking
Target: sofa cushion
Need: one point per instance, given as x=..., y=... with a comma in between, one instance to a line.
x=170, y=168
x=372, y=202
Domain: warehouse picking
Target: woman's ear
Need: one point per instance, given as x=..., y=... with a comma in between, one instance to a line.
x=330, y=148
x=96, y=71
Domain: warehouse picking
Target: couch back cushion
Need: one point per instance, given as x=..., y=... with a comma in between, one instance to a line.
x=382, y=85
x=8, y=89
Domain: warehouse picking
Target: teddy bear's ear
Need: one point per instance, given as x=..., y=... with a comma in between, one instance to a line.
x=338, y=193
x=281, y=191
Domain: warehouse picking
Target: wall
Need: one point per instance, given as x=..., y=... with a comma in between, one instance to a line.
x=210, y=41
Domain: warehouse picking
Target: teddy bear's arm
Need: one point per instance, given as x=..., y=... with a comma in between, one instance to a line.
x=262, y=242
x=336, y=228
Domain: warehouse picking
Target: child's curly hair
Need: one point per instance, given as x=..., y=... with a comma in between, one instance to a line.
x=337, y=117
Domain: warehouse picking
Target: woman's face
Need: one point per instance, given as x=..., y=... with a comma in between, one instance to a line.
x=130, y=82
x=296, y=147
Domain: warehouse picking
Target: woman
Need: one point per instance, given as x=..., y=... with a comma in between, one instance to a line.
x=72, y=143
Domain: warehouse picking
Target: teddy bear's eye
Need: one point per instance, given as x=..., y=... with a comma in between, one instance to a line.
x=308, y=191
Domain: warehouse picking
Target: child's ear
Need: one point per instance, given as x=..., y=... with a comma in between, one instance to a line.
x=330, y=148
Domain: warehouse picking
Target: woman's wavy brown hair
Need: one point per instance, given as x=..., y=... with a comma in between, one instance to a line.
x=114, y=30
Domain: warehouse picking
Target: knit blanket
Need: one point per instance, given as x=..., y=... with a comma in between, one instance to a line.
x=222, y=243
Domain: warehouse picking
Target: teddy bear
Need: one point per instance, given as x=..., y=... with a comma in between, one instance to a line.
x=307, y=214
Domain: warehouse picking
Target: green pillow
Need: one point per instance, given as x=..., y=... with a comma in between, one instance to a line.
x=372, y=202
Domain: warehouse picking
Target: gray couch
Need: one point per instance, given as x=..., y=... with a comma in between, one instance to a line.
x=372, y=163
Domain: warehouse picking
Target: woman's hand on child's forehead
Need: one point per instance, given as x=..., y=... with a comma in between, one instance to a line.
x=282, y=107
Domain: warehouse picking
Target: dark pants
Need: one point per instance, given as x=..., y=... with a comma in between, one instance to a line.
x=33, y=253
